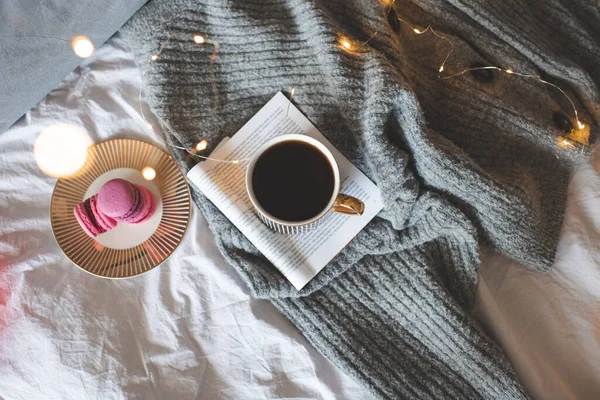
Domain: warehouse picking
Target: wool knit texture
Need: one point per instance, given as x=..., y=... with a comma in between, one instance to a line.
x=461, y=163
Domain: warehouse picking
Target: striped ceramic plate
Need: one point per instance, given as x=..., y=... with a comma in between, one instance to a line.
x=128, y=250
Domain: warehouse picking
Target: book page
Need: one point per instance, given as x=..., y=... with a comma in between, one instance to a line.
x=299, y=257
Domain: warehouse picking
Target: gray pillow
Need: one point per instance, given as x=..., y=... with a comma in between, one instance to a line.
x=35, y=45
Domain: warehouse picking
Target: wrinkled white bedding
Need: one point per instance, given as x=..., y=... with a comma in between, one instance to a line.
x=549, y=325
x=185, y=330
x=189, y=330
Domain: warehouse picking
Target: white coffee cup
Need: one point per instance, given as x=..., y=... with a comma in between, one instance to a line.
x=338, y=202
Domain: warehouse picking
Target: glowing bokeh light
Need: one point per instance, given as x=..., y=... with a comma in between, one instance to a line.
x=148, y=173
x=198, y=39
x=202, y=145
x=82, y=46
x=61, y=150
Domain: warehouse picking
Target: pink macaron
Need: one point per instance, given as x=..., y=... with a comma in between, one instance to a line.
x=118, y=199
x=104, y=220
x=126, y=202
x=147, y=206
x=91, y=219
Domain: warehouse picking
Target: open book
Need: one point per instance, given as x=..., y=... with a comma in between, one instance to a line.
x=299, y=257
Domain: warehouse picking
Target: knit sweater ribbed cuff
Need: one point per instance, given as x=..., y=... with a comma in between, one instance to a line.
x=388, y=325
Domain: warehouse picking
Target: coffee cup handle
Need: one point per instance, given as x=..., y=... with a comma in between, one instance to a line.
x=348, y=205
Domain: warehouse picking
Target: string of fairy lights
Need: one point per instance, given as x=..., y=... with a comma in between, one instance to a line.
x=202, y=144
x=349, y=45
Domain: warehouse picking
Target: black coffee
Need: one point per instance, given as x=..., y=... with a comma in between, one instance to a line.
x=293, y=181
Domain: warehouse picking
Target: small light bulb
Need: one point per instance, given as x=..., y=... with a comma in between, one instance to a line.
x=154, y=57
x=198, y=39
x=441, y=68
x=293, y=90
x=148, y=173
x=149, y=125
x=417, y=31
x=82, y=46
x=202, y=145
x=510, y=71
x=346, y=44
x=580, y=125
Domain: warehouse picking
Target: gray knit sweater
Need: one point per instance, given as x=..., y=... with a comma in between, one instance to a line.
x=461, y=163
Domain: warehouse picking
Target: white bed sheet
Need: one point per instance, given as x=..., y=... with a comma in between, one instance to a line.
x=549, y=325
x=189, y=330
x=185, y=330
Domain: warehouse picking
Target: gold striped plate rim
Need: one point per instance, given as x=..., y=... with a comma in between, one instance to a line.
x=89, y=255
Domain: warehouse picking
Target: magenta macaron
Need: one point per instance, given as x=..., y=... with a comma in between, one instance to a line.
x=118, y=198
x=126, y=202
x=92, y=220
x=146, y=208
